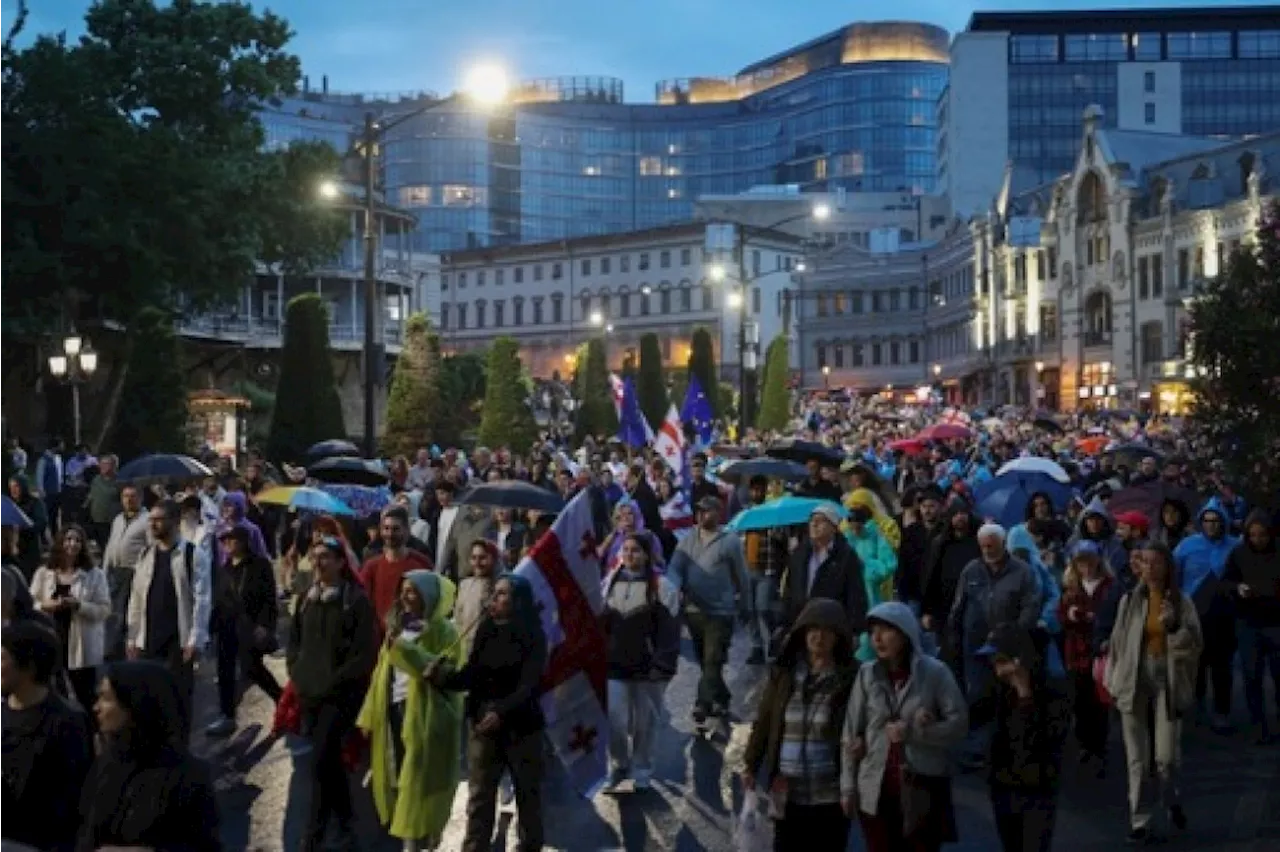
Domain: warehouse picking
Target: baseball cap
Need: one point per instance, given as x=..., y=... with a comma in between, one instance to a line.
x=1135, y=519
x=1086, y=548
x=828, y=512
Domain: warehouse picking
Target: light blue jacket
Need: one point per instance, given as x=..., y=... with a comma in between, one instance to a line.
x=878, y=564
x=1198, y=557
x=710, y=574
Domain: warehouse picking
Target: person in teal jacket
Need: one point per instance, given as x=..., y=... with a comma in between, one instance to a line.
x=878, y=564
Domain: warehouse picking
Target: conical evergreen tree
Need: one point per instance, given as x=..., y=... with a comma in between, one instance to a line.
x=596, y=414
x=308, y=408
x=1236, y=323
x=702, y=363
x=506, y=420
x=152, y=415
x=775, y=407
x=651, y=384
x=414, y=402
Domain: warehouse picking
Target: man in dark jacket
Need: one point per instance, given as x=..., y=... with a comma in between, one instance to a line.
x=1031, y=716
x=826, y=566
x=1252, y=572
x=922, y=523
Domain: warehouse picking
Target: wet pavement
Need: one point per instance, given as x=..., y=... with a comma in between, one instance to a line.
x=1231, y=790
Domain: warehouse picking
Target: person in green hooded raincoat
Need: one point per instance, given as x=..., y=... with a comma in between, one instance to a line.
x=879, y=561
x=415, y=727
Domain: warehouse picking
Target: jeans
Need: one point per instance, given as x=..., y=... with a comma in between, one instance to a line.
x=711, y=637
x=1259, y=651
x=979, y=681
x=633, y=719
x=488, y=757
x=763, y=591
x=171, y=657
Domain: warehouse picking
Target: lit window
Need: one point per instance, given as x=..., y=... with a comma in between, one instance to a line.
x=414, y=196
x=651, y=166
x=1149, y=113
x=461, y=195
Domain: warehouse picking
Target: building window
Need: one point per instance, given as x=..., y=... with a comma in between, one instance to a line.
x=585, y=301
x=480, y=276
x=686, y=299
x=755, y=300
x=1199, y=45
x=877, y=303
x=1048, y=322
x=895, y=353
x=537, y=272
x=537, y=312
x=822, y=304
x=557, y=309
x=664, y=301
x=651, y=166
x=517, y=275
x=1157, y=276
x=895, y=301
x=499, y=313
x=855, y=303
x=517, y=312
x=755, y=263
x=914, y=349
x=822, y=355
x=664, y=259
x=644, y=304
x=586, y=266
x=444, y=281
x=838, y=352
x=1259, y=44
x=855, y=355
x=444, y=317
x=624, y=263
x=643, y=262
x=499, y=277
x=460, y=195
x=1146, y=47
x=708, y=300
x=624, y=304
x=462, y=280
x=462, y=316
x=876, y=355
x=1144, y=278
x=1152, y=343
x=1028, y=49
x=1149, y=113
x=1184, y=268
x=557, y=271
x=414, y=196
x=837, y=304
x=1149, y=82
x=686, y=257
x=480, y=313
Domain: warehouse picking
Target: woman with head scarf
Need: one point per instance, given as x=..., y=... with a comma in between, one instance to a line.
x=413, y=726
x=501, y=678
x=627, y=520
x=145, y=790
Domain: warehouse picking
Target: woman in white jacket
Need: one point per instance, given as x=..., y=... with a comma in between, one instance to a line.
x=73, y=592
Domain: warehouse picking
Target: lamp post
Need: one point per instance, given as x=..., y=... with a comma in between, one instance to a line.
x=826, y=377
x=485, y=84
x=75, y=366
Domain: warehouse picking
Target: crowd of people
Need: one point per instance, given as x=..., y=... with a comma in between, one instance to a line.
x=909, y=627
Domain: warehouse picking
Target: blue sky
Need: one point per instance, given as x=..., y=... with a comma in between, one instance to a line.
x=402, y=45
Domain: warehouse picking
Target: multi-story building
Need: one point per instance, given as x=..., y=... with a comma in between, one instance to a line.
x=1084, y=284
x=1020, y=80
x=568, y=157
x=892, y=318
x=553, y=296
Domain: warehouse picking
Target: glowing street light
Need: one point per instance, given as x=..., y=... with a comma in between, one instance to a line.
x=328, y=190
x=735, y=300
x=596, y=318
x=488, y=84
x=822, y=212
x=646, y=290
x=717, y=272
x=800, y=265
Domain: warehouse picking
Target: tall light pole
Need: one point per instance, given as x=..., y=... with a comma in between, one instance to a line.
x=485, y=84
x=75, y=366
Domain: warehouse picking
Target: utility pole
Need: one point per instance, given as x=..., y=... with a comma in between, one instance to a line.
x=372, y=352
x=744, y=405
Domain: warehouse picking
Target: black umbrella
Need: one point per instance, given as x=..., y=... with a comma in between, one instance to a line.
x=1150, y=497
x=512, y=494
x=803, y=452
x=333, y=448
x=349, y=471
x=739, y=471
x=162, y=468
x=1131, y=455
x=1047, y=425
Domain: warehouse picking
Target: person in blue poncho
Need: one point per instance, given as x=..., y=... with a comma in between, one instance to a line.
x=1048, y=629
x=1201, y=560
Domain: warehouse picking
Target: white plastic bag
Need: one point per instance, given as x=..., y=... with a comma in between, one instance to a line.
x=753, y=829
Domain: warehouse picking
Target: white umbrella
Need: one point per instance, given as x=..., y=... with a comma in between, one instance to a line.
x=1035, y=464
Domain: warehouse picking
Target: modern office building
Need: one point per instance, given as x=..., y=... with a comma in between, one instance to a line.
x=1084, y=284
x=551, y=297
x=1020, y=80
x=569, y=157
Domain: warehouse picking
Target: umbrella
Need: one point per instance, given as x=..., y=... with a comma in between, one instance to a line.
x=512, y=494
x=162, y=467
x=1131, y=455
x=943, y=432
x=1005, y=498
x=12, y=516
x=740, y=471
x=783, y=512
x=1035, y=464
x=1149, y=497
x=333, y=448
x=365, y=500
x=1047, y=425
x=731, y=451
x=793, y=449
x=907, y=446
x=305, y=500
x=349, y=471
x=1093, y=446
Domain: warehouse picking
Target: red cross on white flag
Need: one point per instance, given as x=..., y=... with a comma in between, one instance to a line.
x=670, y=440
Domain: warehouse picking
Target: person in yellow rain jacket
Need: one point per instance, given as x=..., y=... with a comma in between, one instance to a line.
x=415, y=728
x=888, y=527
x=879, y=561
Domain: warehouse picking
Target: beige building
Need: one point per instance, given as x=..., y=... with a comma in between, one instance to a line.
x=1084, y=284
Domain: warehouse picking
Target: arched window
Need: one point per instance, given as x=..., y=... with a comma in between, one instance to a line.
x=686, y=297
x=517, y=311
x=606, y=302
x=1097, y=318
x=664, y=298
x=481, y=306
x=708, y=298
x=624, y=302
x=1091, y=200
x=584, y=300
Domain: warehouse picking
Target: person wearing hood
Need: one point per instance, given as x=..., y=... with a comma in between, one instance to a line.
x=922, y=522
x=955, y=547
x=1032, y=714
x=1200, y=561
x=879, y=561
x=1087, y=588
x=145, y=790
x=1097, y=525
x=501, y=678
x=414, y=728
x=906, y=714
x=30, y=538
x=1174, y=523
x=1048, y=629
x=793, y=750
x=1252, y=574
x=233, y=513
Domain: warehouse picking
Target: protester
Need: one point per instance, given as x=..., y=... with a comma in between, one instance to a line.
x=1253, y=572
x=1087, y=586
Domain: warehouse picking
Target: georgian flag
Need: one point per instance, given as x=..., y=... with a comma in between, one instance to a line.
x=669, y=442
x=565, y=574
x=619, y=390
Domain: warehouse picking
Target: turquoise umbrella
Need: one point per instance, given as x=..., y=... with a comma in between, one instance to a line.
x=783, y=512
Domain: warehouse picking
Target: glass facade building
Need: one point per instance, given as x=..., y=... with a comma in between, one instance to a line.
x=1219, y=66
x=564, y=158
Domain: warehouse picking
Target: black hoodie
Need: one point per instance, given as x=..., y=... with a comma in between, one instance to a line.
x=948, y=555
x=1260, y=571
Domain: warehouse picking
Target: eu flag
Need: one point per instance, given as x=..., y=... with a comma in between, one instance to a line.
x=696, y=412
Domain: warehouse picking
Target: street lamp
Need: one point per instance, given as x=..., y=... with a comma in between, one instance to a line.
x=717, y=272
x=821, y=212
x=826, y=376
x=75, y=366
x=596, y=319
x=734, y=300
x=329, y=190
x=937, y=370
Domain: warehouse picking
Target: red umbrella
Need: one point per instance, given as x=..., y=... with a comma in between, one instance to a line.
x=909, y=446
x=943, y=432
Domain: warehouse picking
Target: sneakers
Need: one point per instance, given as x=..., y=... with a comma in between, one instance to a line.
x=642, y=779
x=1138, y=836
x=699, y=716
x=617, y=777
x=223, y=727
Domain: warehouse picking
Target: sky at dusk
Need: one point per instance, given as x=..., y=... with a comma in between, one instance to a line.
x=404, y=45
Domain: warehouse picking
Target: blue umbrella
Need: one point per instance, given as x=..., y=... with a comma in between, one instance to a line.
x=306, y=500
x=12, y=516
x=1005, y=497
x=333, y=448
x=162, y=467
x=783, y=512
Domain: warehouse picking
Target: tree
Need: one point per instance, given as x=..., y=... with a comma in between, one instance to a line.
x=507, y=419
x=651, y=385
x=702, y=363
x=596, y=414
x=153, y=401
x=462, y=390
x=775, y=404
x=308, y=409
x=1236, y=323
x=413, y=403
x=136, y=170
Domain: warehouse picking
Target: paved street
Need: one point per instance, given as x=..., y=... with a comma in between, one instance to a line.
x=1232, y=792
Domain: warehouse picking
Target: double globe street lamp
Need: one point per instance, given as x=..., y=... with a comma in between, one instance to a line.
x=75, y=366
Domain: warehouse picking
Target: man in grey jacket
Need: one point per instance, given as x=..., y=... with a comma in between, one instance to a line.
x=710, y=569
x=997, y=589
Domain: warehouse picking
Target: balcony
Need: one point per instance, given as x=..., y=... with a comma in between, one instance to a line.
x=1047, y=343
x=266, y=333
x=1022, y=347
x=1097, y=337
